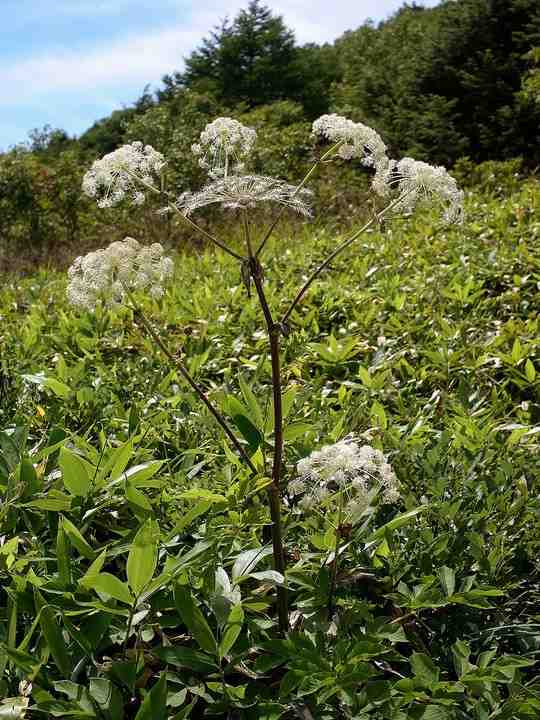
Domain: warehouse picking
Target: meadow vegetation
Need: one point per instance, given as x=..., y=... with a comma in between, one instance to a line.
x=273, y=450
x=135, y=558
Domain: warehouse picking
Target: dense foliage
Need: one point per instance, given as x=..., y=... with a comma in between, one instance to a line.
x=134, y=581
x=442, y=83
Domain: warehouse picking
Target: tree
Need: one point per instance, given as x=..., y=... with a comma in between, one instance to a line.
x=446, y=81
x=252, y=60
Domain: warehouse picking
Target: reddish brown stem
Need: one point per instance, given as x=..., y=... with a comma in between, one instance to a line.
x=274, y=491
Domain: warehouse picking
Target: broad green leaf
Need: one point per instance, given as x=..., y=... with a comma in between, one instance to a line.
x=232, y=630
x=154, y=705
x=59, y=388
x=424, y=668
x=448, y=580
x=256, y=413
x=74, y=473
x=241, y=418
x=142, y=558
x=109, y=584
x=193, y=619
x=62, y=557
x=185, y=657
x=139, y=474
x=76, y=539
x=295, y=430
x=248, y=560
x=203, y=494
x=53, y=634
x=399, y=521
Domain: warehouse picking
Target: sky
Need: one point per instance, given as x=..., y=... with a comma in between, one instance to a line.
x=67, y=63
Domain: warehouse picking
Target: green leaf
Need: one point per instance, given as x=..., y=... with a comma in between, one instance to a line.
x=193, y=619
x=232, y=630
x=438, y=712
x=186, y=658
x=203, y=494
x=62, y=557
x=295, y=430
x=248, y=560
x=424, y=668
x=74, y=473
x=60, y=389
x=256, y=413
x=120, y=459
x=76, y=539
x=142, y=558
x=241, y=418
x=110, y=585
x=530, y=370
x=398, y=522
x=154, y=705
x=448, y=580
x=52, y=634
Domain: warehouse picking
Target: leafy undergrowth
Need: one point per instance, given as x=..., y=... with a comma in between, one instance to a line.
x=136, y=576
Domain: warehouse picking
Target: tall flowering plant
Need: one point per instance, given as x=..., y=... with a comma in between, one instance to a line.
x=349, y=473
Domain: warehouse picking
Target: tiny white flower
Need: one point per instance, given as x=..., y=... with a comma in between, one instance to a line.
x=360, y=472
x=358, y=140
x=107, y=275
x=224, y=145
x=420, y=184
x=123, y=173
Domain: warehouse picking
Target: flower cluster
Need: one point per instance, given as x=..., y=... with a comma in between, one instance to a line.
x=415, y=183
x=246, y=191
x=357, y=140
x=358, y=471
x=107, y=275
x=224, y=144
x=124, y=172
x=411, y=182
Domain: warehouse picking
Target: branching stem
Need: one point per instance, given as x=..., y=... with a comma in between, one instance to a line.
x=340, y=248
x=179, y=365
x=299, y=187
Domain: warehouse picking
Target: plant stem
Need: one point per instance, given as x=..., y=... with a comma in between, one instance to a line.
x=334, y=567
x=274, y=490
x=189, y=221
x=197, y=388
x=340, y=248
x=129, y=624
x=303, y=182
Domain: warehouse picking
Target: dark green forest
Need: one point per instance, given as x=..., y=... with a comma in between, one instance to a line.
x=456, y=84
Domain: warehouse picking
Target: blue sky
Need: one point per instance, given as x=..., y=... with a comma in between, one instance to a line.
x=67, y=63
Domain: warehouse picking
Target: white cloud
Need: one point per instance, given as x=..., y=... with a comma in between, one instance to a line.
x=142, y=58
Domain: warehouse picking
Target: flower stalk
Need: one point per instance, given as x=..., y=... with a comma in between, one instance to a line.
x=179, y=365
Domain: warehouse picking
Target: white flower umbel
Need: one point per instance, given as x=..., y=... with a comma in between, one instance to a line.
x=244, y=192
x=124, y=173
x=357, y=140
x=107, y=275
x=359, y=472
x=223, y=146
x=420, y=184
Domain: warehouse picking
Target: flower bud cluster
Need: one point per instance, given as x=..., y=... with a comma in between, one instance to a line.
x=109, y=274
x=124, y=173
x=360, y=472
x=223, y=146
